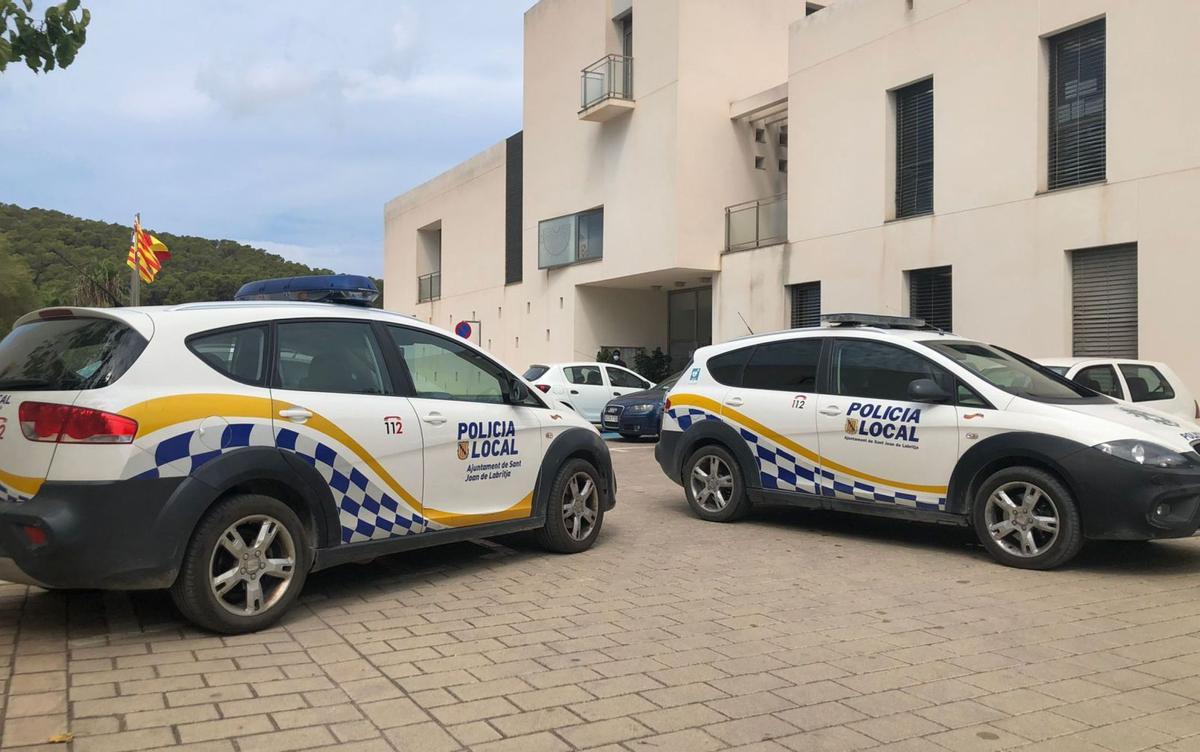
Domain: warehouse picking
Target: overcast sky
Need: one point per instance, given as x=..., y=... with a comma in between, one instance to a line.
x=283, y=123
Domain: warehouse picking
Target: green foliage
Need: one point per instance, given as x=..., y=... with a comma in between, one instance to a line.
x=76, y=261
x=17, y=294
x=43, y=45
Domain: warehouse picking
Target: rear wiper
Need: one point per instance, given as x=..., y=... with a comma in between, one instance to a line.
x=23, y=383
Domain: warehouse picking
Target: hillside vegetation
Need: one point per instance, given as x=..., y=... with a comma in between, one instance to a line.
x=50, y=258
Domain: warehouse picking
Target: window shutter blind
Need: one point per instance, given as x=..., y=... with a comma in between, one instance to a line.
x=806, y=304
x=914, y=149
x=1078, y=129
x=930, y=297
x=1104, y=302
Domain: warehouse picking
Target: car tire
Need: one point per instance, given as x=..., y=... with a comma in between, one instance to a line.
x=210, y=565
x=723, y=500
x=575, y=511
x=1027, y=518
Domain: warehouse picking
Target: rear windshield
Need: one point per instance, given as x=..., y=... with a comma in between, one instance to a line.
x=67, y=354
x=1013, y=373
x=535, y=372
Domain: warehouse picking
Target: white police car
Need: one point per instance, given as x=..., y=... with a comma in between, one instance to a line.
x=225, y=450
x=884, y=416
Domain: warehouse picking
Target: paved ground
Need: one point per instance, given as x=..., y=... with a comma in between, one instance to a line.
x=791, y=631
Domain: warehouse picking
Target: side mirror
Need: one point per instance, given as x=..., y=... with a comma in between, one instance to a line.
x=927, y=390
x=517, y=391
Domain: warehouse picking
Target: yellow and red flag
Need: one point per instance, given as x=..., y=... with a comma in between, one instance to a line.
x=146, y=252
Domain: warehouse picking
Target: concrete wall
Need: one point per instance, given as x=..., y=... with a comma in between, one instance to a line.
x=1007, y=242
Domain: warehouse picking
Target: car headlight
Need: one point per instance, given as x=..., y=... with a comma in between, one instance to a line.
x=643, y=409
x=1144, y=453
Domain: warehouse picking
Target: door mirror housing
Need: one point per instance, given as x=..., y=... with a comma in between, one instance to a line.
x=928, y=391
x=518, y=393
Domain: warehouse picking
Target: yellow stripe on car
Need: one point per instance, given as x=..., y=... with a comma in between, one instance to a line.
x=25, y=486
x=712, y=406
x=519, y=511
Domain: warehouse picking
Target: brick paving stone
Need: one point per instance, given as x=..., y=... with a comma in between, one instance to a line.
x=671, y=634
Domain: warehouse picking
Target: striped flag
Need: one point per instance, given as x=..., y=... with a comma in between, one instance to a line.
x=146, y=252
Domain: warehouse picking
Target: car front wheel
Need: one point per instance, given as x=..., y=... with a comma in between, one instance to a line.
x=1026, y=518
x=576, y=509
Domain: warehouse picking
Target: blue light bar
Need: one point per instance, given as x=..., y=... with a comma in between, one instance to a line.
x=348, y=289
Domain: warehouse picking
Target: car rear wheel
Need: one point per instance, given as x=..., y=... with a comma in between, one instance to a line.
x=713, y=485
x=244, y=567
x=576, y=509
x=1026, y=518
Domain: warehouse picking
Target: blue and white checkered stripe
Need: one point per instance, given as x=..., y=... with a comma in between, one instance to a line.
x=11, y=496
x=365, y=511
x=780, y=469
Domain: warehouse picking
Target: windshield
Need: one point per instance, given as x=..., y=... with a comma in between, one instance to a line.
x=67, y=353
x=666, y=384
x=1011, y=372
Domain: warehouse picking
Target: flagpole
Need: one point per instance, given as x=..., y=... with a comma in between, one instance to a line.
x=135, y=280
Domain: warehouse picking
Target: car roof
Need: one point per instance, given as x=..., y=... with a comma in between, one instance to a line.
x=1072, y=362
x=860, y=332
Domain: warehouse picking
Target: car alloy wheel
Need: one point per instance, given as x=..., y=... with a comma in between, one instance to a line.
x=252, y=565
x=712, y=484
x=580, y=506
x=1022, y=519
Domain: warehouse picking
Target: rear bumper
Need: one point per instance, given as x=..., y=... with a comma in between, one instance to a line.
x=1121, y=500
x=666, y=453
x=97, y=535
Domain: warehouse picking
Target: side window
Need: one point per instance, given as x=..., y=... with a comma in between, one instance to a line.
x=330, y=356
x=727, y=368
x=443, y=369
x=877, y=370
x=619, y=377
x=1101, y=379
x=967, y=397
x=584, y=375
x=1146, y=383
x=236, y=353
x=787, y=366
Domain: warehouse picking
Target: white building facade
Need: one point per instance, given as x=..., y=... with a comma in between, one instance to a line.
x=1023, y=171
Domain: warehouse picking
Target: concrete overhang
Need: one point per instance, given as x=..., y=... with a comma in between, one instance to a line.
x=607, y=109
x=766, y=105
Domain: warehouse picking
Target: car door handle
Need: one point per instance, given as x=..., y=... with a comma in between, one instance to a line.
x=616, y=394
x=295, y=414
x=434, y=419
x=574, y=391
x=831, y=410
x=734, y=402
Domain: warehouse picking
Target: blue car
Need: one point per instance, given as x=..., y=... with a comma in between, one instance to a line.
x=637, y=414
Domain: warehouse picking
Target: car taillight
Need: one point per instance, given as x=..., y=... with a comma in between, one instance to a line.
x=544, y=387
x=65, y=424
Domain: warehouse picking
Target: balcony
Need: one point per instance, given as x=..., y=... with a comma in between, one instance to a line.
x=755, y=224
x=607, y=89
x=429, y=287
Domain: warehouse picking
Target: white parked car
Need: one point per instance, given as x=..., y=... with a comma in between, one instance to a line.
x=884, y=416
x=226, y=450
x=585, y=387
x=1141, y=381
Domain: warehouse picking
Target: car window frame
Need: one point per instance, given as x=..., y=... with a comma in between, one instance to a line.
x=388, y=381
x=1116, y=377
x=828, y=387
x=409, y=390
x=1161, y=377
x=268, y=367
x=598, y=366
x=643, y=386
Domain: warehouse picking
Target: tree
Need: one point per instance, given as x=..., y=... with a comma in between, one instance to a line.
x=52, y=42
x=17, y=294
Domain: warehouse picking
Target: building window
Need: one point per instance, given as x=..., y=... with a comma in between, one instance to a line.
x=930, y=297
x=571, y=239
x=1104, y=302
x=760, y=163
x=429, y=262
x=914, y=149
x=514, y=194
x=783, y=165
x=1078, y=130
x=783, y=136
x=806, y=304
x=760, y=135
x=811, y=8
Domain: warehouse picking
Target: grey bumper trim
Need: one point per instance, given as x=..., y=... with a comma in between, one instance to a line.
x=12, y=573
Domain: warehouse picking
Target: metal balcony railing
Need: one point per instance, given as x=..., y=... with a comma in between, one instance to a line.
x=429, y=287
x=754, y=224
x=610, y=77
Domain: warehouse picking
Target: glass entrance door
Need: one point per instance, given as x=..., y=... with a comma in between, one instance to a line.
x=689, y=324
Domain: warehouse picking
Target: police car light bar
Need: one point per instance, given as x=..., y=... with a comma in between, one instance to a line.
x=871, y=319
x=348, y=289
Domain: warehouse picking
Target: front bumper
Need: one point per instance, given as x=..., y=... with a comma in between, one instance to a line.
x=1121, y=500
x=645, y=424
x=97, y=535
